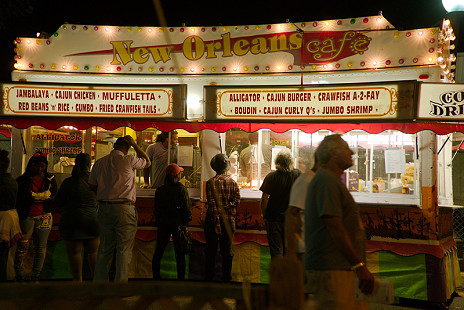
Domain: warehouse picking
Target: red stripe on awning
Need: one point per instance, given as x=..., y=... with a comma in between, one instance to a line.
x=141, y=124
x=5, y=132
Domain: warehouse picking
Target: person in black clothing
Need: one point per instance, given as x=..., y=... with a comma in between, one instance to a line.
x=79, y=226
x=36, y=191
x=274, y=201
x=9, y=222
x=172, y=211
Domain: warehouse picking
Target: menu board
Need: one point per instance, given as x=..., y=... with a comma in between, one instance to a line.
x=93, y=101
x=367, y=101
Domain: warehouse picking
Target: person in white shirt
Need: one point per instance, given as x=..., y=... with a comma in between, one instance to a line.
x=158, y=154
x=113, y=179
x=294, y=216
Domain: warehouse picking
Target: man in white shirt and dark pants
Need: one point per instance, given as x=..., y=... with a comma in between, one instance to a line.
x=113, y=179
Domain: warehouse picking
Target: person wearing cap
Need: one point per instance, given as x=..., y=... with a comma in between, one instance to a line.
x=113, y=179
x=36, y=190
x=10, y=232
x=223, y=197
x=172, y=212
x=158, y=154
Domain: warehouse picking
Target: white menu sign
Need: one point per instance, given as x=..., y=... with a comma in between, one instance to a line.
x=369, y=101
x=88, y=101
x=395, y=161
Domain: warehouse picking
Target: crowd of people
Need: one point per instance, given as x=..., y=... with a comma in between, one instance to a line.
x=310, y=215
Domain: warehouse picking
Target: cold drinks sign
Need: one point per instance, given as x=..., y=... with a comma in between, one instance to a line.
x=335, y=102
x=441, y=101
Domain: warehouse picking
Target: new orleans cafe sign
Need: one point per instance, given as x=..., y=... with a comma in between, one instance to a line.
x=360, y=43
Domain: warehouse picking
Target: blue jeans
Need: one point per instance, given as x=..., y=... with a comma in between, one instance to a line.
x=118, y=225
x=276, y=238
x=38, y=228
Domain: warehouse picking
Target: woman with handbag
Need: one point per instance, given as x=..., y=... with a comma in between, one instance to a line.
x=172, y=214
x=36, y=190
x=78, y=223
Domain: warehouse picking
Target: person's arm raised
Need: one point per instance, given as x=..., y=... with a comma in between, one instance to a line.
x=138, y=150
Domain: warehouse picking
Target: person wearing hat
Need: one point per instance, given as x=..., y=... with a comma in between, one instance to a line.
x=223, y=197
x=36, y=190
x=113, y=179
x=172, y=212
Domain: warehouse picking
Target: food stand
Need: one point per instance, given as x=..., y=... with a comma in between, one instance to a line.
x=292, y=84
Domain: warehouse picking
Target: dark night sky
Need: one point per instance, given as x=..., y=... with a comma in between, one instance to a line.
x=48, y=15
